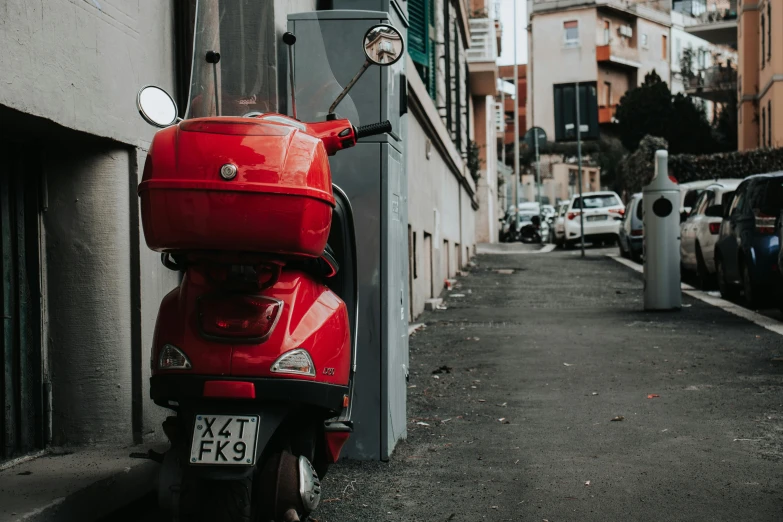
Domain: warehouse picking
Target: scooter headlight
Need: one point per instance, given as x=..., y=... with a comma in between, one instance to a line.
x=297, y=362
x=172, y=358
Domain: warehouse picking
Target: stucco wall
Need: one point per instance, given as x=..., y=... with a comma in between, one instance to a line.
x=486, y=187
x=81, y=63
x=566, y=64
x=748, y=77
x=434, y=203
x=653, y=58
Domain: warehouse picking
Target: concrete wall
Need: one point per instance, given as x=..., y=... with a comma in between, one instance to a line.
x=558, y=63
x=441, y=199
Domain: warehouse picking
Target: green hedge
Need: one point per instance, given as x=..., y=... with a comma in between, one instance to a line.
x=686, y=167
x=637, y=169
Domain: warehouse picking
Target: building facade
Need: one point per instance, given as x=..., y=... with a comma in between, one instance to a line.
x=700, y=68
x=607, y=44
x=453, y=48
x=760, y=39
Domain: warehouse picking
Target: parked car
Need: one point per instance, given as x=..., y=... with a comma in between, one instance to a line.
x=558, y=227
x=689, y=193
x=631, y=235
x=699, y=232
x=746, y=255
x=600, y=212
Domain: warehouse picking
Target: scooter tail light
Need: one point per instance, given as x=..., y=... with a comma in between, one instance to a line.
x=239, y=317
x=172, y=358
x=296, y=362
x=714, y=228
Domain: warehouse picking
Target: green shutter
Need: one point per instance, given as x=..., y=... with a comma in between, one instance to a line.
x=432, y=86
x=418, y=31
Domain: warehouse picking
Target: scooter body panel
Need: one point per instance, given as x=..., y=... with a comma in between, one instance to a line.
x=312, y=317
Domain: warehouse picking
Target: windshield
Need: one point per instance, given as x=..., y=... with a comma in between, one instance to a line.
x=233, y=72
x=599, y=201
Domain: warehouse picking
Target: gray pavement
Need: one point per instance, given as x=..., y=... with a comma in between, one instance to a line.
x=540, y=361
x=558, y=349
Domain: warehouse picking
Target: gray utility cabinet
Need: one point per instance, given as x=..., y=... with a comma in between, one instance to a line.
x=373, y=175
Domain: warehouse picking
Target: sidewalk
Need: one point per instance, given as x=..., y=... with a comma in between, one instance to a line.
x=535, y=365
x=82, y=485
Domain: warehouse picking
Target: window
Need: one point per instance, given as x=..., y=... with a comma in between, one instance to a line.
x=639, y=209
x=739, y=199
x=678, y=47
x=421, y=48
x=665, y=47
x=769, y=123
x=598, y=201
x=763, y=126
x=644, y=41
x=607, y=94
x=571, y=32
x=607, y=32
x=763, y=35
x=769, y=30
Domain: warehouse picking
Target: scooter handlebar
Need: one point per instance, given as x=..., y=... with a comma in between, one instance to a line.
x=373, y=129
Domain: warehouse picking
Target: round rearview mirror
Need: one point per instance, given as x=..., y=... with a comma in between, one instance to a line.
x=383, y=45
x=156, y=106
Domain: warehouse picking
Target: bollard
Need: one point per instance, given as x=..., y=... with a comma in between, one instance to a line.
x=661, y=200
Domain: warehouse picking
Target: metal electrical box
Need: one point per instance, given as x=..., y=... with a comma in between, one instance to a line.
x=373, y=175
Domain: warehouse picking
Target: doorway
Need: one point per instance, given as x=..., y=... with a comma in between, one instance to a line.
x=21, y=391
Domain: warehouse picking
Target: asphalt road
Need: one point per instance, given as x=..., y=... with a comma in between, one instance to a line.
x=519, y=426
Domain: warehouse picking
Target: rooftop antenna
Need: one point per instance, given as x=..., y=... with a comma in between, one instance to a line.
x=290, y=39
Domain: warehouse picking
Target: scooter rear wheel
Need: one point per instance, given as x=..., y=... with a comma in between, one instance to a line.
x=216, y=500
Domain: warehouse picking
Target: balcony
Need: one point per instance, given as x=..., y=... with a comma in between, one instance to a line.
x=482, y=57
x=618, y=55
x=713, y=84
x=606, y=113
x=717, y=27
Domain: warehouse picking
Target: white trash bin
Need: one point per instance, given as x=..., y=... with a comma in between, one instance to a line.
x=661, y=200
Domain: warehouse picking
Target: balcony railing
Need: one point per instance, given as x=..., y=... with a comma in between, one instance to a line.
x=618, y=54
x=606, y=113
x=713, y=83
x=483, y=41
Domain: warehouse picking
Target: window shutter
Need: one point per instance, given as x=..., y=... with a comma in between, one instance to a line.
x=418, y=31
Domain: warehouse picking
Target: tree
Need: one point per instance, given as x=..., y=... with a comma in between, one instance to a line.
x=644, y=110
x=688, y=130
x=650, y=110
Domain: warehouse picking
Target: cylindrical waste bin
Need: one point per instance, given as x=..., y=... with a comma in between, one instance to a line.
x=661, y=200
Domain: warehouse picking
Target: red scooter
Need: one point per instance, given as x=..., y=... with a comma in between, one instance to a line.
x=255, y=350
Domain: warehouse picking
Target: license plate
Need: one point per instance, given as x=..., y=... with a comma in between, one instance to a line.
x=225, y=440
x=596, y=218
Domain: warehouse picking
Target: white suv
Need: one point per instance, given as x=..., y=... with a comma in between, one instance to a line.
x=602, y=214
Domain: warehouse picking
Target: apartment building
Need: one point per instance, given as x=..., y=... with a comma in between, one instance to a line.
x=760, y=46
x=702, y=69
x=607, y=46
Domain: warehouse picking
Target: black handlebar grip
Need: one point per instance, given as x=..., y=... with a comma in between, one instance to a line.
x=373, y=129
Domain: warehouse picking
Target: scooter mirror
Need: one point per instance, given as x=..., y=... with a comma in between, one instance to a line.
x=383, y=45
x=156, y=106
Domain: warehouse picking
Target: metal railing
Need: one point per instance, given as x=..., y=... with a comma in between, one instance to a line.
x=483, y=41
x=719, y=77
